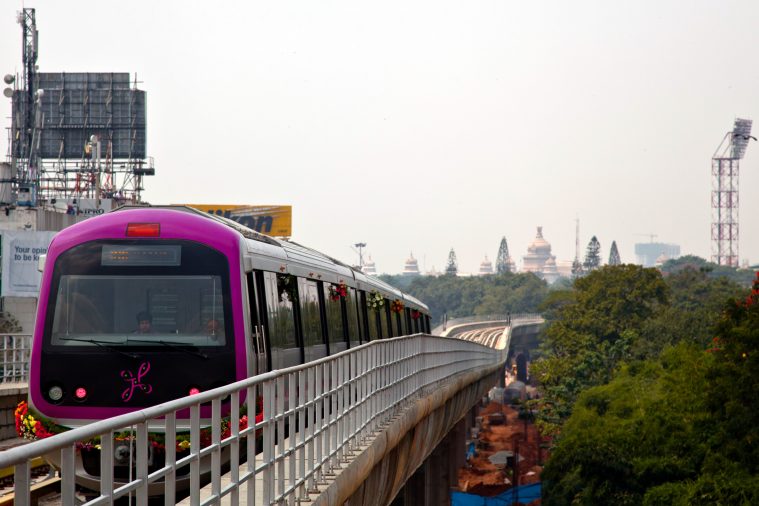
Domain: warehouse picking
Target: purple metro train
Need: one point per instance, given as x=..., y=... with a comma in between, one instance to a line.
x=148, y=304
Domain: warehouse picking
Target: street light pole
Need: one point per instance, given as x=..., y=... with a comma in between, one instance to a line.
x=360, y=246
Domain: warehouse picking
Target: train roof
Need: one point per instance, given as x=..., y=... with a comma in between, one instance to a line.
x=294, y=258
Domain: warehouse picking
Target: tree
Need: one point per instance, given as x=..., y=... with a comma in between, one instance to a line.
x=502, y=261
x=614, y=254
x=577, y=269
x=678, y=428
x=452, y=268
x=593, y=331
x=636, y=439
x=592, y=255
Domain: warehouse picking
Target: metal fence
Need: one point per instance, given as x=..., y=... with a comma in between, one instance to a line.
x=15, y=349
x=312, y=417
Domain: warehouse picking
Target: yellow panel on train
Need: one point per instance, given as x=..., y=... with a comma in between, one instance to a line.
x=275, y=221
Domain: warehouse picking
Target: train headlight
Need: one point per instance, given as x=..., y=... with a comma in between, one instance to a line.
x=55, y=393
x=80, y=393
x=194, y=391
x=122, y=454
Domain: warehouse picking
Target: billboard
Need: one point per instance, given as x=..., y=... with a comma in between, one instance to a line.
x=21, y=254
x=75, y=106
x=275, y=221
x=87, y=207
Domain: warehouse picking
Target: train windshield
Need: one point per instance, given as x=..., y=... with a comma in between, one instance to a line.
x=128, y=295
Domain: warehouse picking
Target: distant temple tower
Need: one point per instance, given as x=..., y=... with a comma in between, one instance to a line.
x=486, y=267
x=539, y=258
x=369, y=268
x=411, y=267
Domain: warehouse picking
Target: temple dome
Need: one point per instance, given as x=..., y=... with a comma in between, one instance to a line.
x=486, y=267
x=539, y=259
x=411, y=267
x=539, y=245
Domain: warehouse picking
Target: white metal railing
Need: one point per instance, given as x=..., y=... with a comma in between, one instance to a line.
x=15, y=349
x=327, y=409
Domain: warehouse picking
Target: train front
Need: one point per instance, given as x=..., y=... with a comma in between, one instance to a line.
x=135, y=309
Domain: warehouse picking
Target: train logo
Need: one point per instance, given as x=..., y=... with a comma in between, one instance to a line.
x=135, y=382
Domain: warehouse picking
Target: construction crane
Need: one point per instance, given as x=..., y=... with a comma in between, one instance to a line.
x=650, y=236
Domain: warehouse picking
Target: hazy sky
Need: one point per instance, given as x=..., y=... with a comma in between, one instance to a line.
x=425, y=125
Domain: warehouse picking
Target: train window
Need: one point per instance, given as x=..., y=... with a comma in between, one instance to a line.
x=384, y=313
x=139, y=303
x=333, y=309
x=367, y=319
x=372, y=322
x=313, y=341
x=355, y=317
x=280, y=313
x=138, y=310
x=400, y=319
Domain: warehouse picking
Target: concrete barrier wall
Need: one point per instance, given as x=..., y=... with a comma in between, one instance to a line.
x=376, y=475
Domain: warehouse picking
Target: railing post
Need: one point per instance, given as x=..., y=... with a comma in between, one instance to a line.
x=303, y=420
x=142, y=464
x=268, y=442
x=216, y=447
x=234, y=447
x=170, y=483
x=252, y=400
x=294, y=429
x=68, y=470
x=106, y=466
x=279, y=395
x=21, y=485
x=195, y=451
x=318, y=431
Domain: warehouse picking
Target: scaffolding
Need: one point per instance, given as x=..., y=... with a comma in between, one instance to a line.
x=75, y=136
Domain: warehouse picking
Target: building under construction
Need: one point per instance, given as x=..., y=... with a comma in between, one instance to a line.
x=77, y=140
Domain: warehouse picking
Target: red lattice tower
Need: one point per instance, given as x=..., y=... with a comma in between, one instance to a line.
x=725, y=169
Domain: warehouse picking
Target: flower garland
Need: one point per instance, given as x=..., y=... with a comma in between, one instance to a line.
x=337, y=292
x=375, y=300
x=415, y=314
x=396, y=306
x=31, y=426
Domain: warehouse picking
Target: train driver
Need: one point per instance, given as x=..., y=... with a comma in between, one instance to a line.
x=144, y=323
x=213, y=328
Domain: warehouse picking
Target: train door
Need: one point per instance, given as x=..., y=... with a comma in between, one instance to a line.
x=257, y=328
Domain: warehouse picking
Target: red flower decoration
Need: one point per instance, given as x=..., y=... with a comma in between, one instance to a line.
x=337, y=292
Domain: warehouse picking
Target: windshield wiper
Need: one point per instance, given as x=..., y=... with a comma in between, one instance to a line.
x=105, y=344
x=185, y=347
